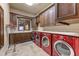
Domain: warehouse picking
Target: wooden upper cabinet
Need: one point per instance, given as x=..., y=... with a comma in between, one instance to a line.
x=42, y=20
x=48, y=17
x=52, y=15
x=13, y=19
x=66, y=10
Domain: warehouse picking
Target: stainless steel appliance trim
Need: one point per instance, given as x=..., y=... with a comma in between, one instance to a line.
x=60, y=41
x=47, y=39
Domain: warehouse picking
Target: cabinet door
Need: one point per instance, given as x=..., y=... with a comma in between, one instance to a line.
x=13, y=19
x=19, y=37
x=46, y=19
x=52, y=15
x=42, y=20
x=66, y=9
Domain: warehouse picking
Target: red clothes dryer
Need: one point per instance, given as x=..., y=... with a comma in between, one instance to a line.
x=73, y=43
x=63, y=45
x=46, y=42
x=38, y=38
x=33, y=36
x=55, y=38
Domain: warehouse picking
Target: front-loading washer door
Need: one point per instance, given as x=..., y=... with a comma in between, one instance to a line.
x=37, y=38
x=33, y=36
x=45, y=41
x=63, y=48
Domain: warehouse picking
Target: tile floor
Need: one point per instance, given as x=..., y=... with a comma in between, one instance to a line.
x=26, y=49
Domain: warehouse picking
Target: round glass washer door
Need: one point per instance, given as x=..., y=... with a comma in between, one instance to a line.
x=37, y=37
x=63, y=48
x=45, y=41
x=33, y=36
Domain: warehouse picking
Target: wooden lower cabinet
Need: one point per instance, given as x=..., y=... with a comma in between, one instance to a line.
x=19, y=37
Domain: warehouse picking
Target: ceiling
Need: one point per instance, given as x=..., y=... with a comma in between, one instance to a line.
x=34, y=9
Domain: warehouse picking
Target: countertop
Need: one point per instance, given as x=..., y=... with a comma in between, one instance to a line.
x=52, y=32
x=19, y=32
x=62, y=33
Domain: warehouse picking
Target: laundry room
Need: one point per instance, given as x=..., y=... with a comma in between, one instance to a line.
x=39, y=29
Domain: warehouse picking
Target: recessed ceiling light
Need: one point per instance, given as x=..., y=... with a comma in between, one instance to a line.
x=30, y=4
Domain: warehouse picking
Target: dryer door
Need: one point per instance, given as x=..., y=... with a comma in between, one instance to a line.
x=63, y=48
x=45, y=41
x=37, y=38
x=33, y=36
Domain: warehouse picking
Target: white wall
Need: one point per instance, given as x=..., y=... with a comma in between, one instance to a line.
x=5, y=7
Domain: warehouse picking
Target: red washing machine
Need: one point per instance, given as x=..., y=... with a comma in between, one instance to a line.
x=38, y=38
x=46, y=42
x=55, y=38
x=33, y=36
x=73, y=43
x=63, y=45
